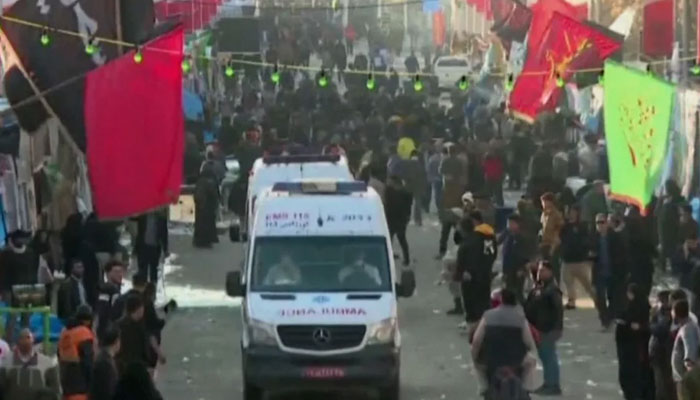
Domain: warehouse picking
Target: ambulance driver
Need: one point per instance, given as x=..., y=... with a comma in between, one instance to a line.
x=359, y=271
x=284, y=273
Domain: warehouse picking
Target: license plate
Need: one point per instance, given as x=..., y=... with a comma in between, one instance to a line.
x=324, y=373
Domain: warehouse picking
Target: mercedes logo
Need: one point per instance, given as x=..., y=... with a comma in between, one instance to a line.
x=321, y=336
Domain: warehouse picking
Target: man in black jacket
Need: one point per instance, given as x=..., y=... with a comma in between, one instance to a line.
x=610, y=271
x=72, y=294
x=151, y=243
x=107, y=314
x=545, y=312
x=398, y=203
x=575, y=248
x=475, y=257
x=516, y=255
x=19, y=266
x=104, y=371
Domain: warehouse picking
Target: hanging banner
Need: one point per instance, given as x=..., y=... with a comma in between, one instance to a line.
x=658, y=31
x=567, y=46
x=689, y=104
x=637, y=110
x=511, y=19
x=542, y=14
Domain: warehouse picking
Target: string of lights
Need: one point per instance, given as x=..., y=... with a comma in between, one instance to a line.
x=323, y=78
x=335, y=5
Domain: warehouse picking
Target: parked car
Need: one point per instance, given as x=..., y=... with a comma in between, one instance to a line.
x=450, y=69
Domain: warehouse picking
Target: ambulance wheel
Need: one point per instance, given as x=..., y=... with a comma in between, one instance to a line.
x=252, y=392
x=391, y=392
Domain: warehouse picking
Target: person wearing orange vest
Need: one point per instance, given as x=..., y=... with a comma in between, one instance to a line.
x=76, y=352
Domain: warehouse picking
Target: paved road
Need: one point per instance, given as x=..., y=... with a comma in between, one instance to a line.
x=201, y=339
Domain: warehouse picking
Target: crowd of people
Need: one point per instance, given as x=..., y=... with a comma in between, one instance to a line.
x=421, y=158
x=109, y=347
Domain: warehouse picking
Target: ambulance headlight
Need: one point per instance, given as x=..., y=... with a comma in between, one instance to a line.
x=382, y=332
x=261, y=334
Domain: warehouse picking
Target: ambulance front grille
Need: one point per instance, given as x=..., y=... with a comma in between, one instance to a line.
x=321, y=337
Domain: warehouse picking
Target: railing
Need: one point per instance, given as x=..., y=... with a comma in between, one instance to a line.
x=44, y=310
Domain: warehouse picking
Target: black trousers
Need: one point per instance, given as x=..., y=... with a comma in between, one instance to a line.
x=446, y=228
x=149, y=259
x=400, y=233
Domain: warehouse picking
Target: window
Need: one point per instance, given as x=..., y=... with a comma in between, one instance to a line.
x=452, y=62
x=320, y=264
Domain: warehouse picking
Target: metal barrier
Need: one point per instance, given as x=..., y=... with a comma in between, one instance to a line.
x=46, y=316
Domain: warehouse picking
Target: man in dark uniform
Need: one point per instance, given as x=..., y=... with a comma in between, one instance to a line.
x=108, y=294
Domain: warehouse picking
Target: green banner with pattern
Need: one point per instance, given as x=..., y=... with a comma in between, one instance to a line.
x=637, y=113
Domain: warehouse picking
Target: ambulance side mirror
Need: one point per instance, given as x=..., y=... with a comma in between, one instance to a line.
x=407, y=285
x=234, y=287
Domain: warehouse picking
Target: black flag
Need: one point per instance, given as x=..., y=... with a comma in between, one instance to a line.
x=59, y=64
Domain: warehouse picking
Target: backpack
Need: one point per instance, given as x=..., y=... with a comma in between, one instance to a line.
x=506, y=385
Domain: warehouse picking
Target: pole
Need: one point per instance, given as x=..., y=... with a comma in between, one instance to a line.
x=685, y=38
x=118, y=22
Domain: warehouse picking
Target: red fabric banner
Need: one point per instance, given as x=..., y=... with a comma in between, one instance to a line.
x=582, y=11
x=194, y=14
x=511, y=20
x=658, y=30
x=135, y=129
x=567, y=46
x=438, y=28
x=542, y=13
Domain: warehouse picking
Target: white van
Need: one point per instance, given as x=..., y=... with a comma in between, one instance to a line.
x=267, y=171
x=320, y=292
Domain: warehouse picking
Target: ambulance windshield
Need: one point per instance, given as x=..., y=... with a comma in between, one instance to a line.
x=320, y=264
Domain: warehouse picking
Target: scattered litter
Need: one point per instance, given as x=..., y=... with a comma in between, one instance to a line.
x=591, y=383
x=442, y=396
x=464, y=366
x=457, y=357
x=436, y=311
x=185, y=359
x=589, y=396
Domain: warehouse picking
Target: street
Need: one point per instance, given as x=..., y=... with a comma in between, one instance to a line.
x=201, y=339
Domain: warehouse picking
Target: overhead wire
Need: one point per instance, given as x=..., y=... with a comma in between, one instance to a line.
x=232, y=60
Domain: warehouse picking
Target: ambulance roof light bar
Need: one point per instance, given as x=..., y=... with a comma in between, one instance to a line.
x=320, y=187
x=307, y=158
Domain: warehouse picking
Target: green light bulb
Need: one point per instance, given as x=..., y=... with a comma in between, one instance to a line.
x=560, y=82
x=275, y=77
x=371, y=83
x=138, y=57
x=323, y=80
x=509, y=83
x=695, y=69
x=601, y=78
x=463, y=83
x=229, y=71
x=90, y=49
x=186, y=66
x=418, y=85
x=45, y=39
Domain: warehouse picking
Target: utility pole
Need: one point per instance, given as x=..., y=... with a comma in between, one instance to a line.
x=685, y=40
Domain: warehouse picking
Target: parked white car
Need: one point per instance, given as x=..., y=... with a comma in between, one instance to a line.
x=450, y=69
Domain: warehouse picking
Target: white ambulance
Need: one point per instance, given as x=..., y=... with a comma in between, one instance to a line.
x=320, y=292
x=269, y=170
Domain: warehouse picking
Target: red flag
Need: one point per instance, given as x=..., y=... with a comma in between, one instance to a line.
x=568, y=45
x=135, y=129
x=438, y=28
x=582, y=11
x=511, y=20
x=658, y=31
x=542, y=13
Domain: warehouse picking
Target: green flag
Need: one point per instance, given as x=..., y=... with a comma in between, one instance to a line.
x=637, y=121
